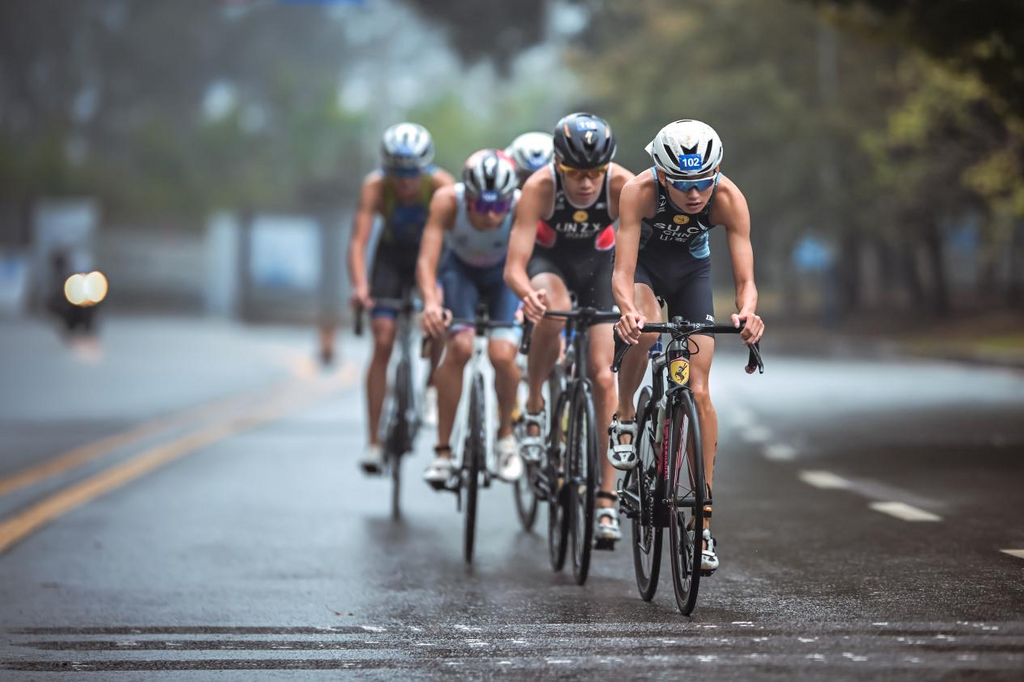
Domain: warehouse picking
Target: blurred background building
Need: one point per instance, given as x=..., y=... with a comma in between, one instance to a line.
x=207, y=154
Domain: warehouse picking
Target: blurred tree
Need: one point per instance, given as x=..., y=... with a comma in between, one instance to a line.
x=983, y=38
x=495, y=30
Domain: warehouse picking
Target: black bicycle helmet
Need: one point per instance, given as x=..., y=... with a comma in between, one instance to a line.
x=584, y=140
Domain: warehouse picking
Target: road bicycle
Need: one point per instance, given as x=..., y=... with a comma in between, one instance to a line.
x=474, y=460
x=400, y=416
x=657, y=493
x=568, y=474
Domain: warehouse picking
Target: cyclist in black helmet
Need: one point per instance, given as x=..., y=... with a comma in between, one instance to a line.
x=562, y=241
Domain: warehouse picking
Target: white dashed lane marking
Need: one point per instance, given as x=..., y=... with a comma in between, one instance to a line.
x=904, y=512
x=780, y=452
x=757, y=434
x=1019, y=553
x=824, y=479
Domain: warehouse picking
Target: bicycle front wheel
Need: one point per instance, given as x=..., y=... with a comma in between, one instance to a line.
x=686, y=494
x=582, y=476
x=644, y=489
x=555, y=465
x=474, y=453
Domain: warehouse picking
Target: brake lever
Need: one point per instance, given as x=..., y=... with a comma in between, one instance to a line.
x=754, y=360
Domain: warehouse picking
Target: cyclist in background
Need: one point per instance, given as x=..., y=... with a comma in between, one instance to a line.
x=474, y=217
x=562, y=242
x=530, y=152
x=400, y=193
x=662, y=251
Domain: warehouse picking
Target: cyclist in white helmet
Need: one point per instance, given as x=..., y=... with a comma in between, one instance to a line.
x=662, y=251
x=400, y=193
x=531, y=152
x=474, y=217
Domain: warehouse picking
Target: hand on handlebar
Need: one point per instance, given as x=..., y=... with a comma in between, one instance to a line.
x=535, y=304
x=434, y=320
x=753, y=327
x=360, y=299
x=630, y=327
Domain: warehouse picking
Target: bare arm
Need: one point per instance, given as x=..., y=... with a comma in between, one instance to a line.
x=620, y=177
x=442, y=178
x=634, y=202
x=362, y=226
x=734, y=214
x=536, y=194
x=443, y=208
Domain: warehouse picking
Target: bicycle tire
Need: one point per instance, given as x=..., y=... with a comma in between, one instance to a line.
x=685, y=528
x=558, y=508
x=525, y=499
x=647, y=531
x=582, y=475
x=399, y=439
x=474, y=452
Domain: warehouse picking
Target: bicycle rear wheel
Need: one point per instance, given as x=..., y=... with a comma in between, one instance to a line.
x=686, y=503
x=582, y=477
x=474, y=453
x=558, y=503
x=646, y=483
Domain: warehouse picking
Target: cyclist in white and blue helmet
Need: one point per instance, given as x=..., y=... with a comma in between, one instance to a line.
x=399, y=193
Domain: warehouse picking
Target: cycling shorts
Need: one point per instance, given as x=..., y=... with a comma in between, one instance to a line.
x=394, y=273
x=465, y=286
x=586, y=273
x=685, y=290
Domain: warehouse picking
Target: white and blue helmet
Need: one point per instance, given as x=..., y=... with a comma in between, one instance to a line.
x=531, y=151
x=686, y=149
x=406, y=146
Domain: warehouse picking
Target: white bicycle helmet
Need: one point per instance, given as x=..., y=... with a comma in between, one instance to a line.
x=489, y=174
x=531, y=151
x=406, y=146
x=686, y=149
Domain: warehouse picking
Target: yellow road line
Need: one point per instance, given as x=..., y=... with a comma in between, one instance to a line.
x=31, y=519
x=87, y=453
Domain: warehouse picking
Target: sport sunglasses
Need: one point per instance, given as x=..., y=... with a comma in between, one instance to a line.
x=404, y=172
x=497, y=206
x=580, y=173
x=699, y=185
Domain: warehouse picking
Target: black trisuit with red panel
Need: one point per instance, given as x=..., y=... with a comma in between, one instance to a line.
x=577, y=243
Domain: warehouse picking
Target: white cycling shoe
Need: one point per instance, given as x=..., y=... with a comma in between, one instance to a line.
x=708, y=557
x=607, y=532
x=439, y=472
x=510, y=465
x=373, y=459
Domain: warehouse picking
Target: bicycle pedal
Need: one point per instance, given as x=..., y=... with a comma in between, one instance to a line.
x=604, y=544
x=706, y=574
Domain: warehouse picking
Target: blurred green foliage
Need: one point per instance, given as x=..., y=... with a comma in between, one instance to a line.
x=874, y=126
x=832, y=127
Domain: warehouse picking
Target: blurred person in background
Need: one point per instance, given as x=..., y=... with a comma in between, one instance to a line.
x=475, y=218
x=662, y=252
x=562, y=241
x=530, y=152
x=400, y=193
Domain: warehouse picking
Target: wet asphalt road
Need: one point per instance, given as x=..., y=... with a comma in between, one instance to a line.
x=252, y=544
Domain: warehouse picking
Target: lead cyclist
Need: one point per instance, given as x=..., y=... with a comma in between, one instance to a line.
x=662, y=251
